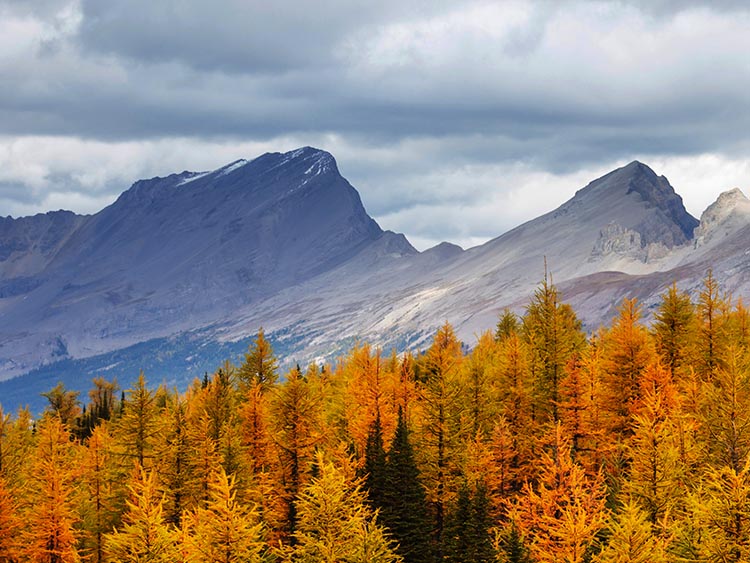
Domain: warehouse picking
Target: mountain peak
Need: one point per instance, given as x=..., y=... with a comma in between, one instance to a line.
x=731, y=197
x=668, y=222
x=729, y=212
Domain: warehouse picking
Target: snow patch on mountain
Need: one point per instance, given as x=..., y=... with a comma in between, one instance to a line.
x=236, y=165
x=193, y=176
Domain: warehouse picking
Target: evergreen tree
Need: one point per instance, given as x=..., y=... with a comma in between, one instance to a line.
x=510, y=546
x=467, y=532
x=403, y=509
x=374, y=466
x=101, y=406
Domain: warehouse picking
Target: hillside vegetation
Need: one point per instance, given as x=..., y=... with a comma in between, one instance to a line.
x=541, y=444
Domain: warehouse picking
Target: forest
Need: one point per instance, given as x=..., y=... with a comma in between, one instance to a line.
x=539, y=444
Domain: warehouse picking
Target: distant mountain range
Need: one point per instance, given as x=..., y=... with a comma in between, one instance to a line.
x=181, y=271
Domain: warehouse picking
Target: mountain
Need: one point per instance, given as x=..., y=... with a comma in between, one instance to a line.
x=180, y=271
x=176, y=253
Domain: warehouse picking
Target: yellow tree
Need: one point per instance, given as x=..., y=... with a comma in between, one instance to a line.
x=254, y=424
x=258, y=447
x=175, y=456
x=563, y=512
x=581, y=410
x=627, y=351
x=138, y=427
x=405, y=392
x=224, y=531
x=674, y=330
x=513, y=434
x=368, y=389
x=49, y=534
x=553, y=333
x=726, y=411
x=335, y=523
x=63, y=404
x=712, y=316
x=631, y=540
x=203, y=460
x=102, y=491
x=16, y=447
x=441, y=430
x=260, y=366
x=296, y=422
x=144, y=536
x=10, y=525
x=508, y=464
x=724, y=515
x=656, y=474
x=479, y=386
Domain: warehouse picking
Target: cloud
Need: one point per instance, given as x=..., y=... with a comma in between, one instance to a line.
x=456, y=120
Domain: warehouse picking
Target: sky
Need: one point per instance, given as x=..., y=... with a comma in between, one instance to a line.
x=455, y=120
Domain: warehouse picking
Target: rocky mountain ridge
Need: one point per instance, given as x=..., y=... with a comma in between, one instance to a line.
x=283, y=241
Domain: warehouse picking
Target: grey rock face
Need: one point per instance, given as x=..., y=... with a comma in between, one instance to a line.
x=667, y=222
x=177, y=253
x=283, y=241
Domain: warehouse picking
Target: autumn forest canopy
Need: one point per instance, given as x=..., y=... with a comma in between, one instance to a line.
x=541, y=444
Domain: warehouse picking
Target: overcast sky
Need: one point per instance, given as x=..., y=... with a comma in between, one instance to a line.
x=454, y=120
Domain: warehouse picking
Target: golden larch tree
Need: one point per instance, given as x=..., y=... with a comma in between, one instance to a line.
x=10, y=525
x=336, y=524
x=225, y=531
x=630, y=538
x=144, y=536
x=564, y=511
x=50, y=516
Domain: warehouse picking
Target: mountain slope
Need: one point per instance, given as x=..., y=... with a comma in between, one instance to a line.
x=177, y=253
x=629, y=220
x=182, y=269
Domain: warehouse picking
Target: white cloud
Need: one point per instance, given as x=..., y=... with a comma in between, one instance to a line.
x=456, y=120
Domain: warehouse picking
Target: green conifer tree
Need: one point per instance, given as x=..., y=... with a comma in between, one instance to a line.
x=404, y=501
x=468, y=530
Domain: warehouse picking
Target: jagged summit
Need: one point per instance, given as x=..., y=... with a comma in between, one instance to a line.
x=730, y=212
x=283, y=241
x=635, y=184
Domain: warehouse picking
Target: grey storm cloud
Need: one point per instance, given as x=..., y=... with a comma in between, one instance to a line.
x=420, y=100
